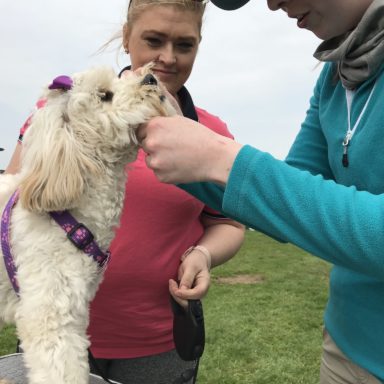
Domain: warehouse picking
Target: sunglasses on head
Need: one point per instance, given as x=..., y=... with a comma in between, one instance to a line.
x=196, y=1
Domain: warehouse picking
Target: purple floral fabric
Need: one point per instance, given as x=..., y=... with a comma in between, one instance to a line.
x=77, y=233
x=5, y=241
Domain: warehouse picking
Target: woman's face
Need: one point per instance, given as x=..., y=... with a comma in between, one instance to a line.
x=325, y=18
x=168, y=36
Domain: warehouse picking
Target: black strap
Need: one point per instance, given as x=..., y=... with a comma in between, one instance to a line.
x=196, y=370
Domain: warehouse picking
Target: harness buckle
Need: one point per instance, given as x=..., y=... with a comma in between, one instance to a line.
x=80, y=236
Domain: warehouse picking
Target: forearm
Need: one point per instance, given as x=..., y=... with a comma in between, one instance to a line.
x=218, y=244
x=220, y=155
x=222, y=241
x=337, y=223
x=14, y=164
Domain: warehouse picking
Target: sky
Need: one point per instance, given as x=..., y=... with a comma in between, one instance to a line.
x=254, y=69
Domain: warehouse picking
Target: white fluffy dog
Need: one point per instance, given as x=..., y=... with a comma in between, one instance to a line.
x=74, y=158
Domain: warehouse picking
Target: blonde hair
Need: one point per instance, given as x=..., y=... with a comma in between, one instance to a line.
x=136, y=7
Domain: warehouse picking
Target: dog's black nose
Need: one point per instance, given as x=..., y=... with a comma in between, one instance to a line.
x=149, y=80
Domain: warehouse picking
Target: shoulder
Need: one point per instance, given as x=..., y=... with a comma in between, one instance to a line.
x=40, y=104
x=328, y=76
x=213, y=122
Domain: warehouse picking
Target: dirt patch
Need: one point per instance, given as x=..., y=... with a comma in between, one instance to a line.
x=240, y=279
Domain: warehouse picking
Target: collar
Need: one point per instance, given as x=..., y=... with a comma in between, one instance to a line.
x=186, y=102
x=77, y=233
x=359, y=53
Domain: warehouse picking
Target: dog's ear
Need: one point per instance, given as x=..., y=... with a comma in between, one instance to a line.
x=55, y=165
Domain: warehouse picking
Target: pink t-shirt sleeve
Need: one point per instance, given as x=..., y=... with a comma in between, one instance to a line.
x=40, y=104
x=213, y=122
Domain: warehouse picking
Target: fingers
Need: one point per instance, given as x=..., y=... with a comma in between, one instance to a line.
x=150, y=127
x=141, y=132
x=197, y=292
x=176, y=148
x=173, y=288
x=187, y=291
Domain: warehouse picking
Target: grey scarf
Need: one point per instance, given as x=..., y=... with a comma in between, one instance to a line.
x=359, y=53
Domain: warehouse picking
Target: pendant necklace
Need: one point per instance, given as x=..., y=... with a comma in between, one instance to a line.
x=350, y=131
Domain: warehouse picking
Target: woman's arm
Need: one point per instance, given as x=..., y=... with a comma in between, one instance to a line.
x=14, y=164
x=221, y=240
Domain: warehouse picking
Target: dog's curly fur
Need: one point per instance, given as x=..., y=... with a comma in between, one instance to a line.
x=74, y=157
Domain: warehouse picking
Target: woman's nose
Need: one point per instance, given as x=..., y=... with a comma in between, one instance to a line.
x=275, y=5
x=167, y=55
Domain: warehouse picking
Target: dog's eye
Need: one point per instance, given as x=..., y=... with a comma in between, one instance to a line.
x=106, y=96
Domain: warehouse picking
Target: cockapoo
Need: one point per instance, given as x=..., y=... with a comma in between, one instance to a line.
x=74, y=159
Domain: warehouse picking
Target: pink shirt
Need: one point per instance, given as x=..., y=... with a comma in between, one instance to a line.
x=40, y=103
x=131, y=314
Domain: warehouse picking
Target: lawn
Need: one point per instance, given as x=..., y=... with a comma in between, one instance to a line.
x=263, y=317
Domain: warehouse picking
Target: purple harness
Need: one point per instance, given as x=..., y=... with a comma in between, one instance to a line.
x=77, y=233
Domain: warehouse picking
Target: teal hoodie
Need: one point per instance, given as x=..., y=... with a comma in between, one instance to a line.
x=331, y=211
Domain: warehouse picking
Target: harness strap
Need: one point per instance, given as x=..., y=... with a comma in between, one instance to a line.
x=5, y=241
x=80, y=236
x=77, y=233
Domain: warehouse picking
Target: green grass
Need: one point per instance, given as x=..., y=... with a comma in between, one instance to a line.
x=269, y=332
x=7, y=341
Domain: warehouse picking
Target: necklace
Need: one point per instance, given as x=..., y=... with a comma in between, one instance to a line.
x=349, y=94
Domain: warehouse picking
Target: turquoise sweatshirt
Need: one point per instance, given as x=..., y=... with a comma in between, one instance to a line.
x=331, y=211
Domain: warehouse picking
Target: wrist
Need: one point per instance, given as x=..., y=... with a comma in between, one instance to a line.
x=225, y=154
x=204, y=251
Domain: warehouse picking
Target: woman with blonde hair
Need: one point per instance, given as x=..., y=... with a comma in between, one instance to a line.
x=131, y=317
x=167, y=240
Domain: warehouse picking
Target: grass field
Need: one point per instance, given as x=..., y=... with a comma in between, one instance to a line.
x=263, y=317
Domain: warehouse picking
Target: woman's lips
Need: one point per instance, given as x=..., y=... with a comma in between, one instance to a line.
x=302, y=20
